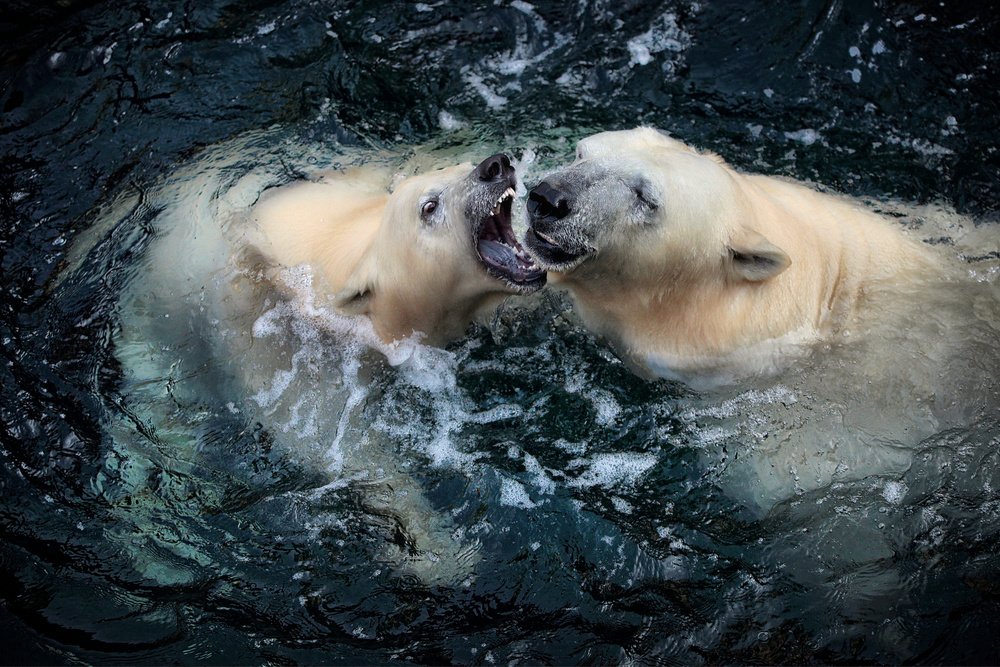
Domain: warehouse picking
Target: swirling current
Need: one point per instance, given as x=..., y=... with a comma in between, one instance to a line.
x=150, y=512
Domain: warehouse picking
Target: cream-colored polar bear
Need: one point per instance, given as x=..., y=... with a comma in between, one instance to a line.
x=422, y=260
x=425, y=259
x=697, y=272
x=700, y=273
x=258, y=302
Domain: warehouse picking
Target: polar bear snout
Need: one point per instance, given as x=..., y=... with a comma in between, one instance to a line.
x=549, y=203
x=489, y=203
x=496, y=168
x=552, y=239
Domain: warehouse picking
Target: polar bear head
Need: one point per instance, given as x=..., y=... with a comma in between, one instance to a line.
x=666, y=252
x=641, y=204
x=433, y=220
x=425, y=256
x=444, y=251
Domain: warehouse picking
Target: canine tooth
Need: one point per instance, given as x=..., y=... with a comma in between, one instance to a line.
x=545, y=238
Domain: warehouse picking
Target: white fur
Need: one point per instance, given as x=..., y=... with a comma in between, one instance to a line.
x=843, y=351
x=667, y=287
x=248, y=300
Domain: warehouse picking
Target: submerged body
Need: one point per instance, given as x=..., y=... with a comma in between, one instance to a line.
x=261, y=303
x=835, y=342
x=697, y=272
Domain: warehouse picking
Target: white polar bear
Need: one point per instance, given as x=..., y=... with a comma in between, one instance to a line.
x=853, y=341
x=425, y=259
x=696, y=272
x=259, y=302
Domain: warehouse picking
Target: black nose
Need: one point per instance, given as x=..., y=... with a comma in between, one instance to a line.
x=547, y=202
x=495, y=168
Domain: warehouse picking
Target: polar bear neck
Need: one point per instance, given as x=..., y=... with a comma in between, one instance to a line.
x=400, y=314
x=325, y=224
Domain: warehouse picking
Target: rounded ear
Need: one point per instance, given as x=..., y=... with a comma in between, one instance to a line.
x=353, y=301
x=753, y=258
x=356, y=296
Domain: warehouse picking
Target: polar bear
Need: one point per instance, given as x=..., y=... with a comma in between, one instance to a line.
x=425, y=259
x=697, y=272
x=254, y=303
x=823, y=343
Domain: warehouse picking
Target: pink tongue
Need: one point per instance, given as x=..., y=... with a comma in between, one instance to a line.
x=499, y=255
x=504, y=258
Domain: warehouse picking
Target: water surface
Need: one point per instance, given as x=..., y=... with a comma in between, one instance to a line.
x=154, y=512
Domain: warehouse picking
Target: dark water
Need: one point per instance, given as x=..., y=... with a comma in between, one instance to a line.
x=140, y=524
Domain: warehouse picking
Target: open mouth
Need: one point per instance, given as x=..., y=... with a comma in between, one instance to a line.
x=501, y=254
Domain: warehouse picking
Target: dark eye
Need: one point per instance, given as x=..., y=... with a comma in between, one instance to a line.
x=428, y=207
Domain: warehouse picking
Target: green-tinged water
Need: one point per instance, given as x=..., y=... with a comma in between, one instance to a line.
x=158, y=506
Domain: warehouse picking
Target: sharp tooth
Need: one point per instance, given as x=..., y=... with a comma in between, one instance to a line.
x=545, y=238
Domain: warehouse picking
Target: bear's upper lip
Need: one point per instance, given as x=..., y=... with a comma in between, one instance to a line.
x=499, y=251
x=549, y=253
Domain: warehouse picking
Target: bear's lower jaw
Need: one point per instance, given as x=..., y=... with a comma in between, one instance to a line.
x=549, y=254
x=511, y=265
x=500, y=253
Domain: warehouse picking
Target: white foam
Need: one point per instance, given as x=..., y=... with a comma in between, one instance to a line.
x=514, y=67
x=280, y=381
x=894, y=492
x=613, y=470
x=569, y=79
x=492, y=99
x=639, y=53
x=449, y=122
x=807, y=136
x=107, y=51
x=606, y=408
x=267, y=324
x=663, y=36
x=622, y=505
x=920, y=145
x=539, y=477
x=576, y=382
x=513, y=494
x=571, y=447
x=498, y=413
x=527, y=158
x=741, y=403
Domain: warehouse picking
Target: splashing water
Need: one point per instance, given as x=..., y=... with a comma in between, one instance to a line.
x=197, y=470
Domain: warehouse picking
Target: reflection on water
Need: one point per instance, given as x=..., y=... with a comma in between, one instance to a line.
x=162, y=504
